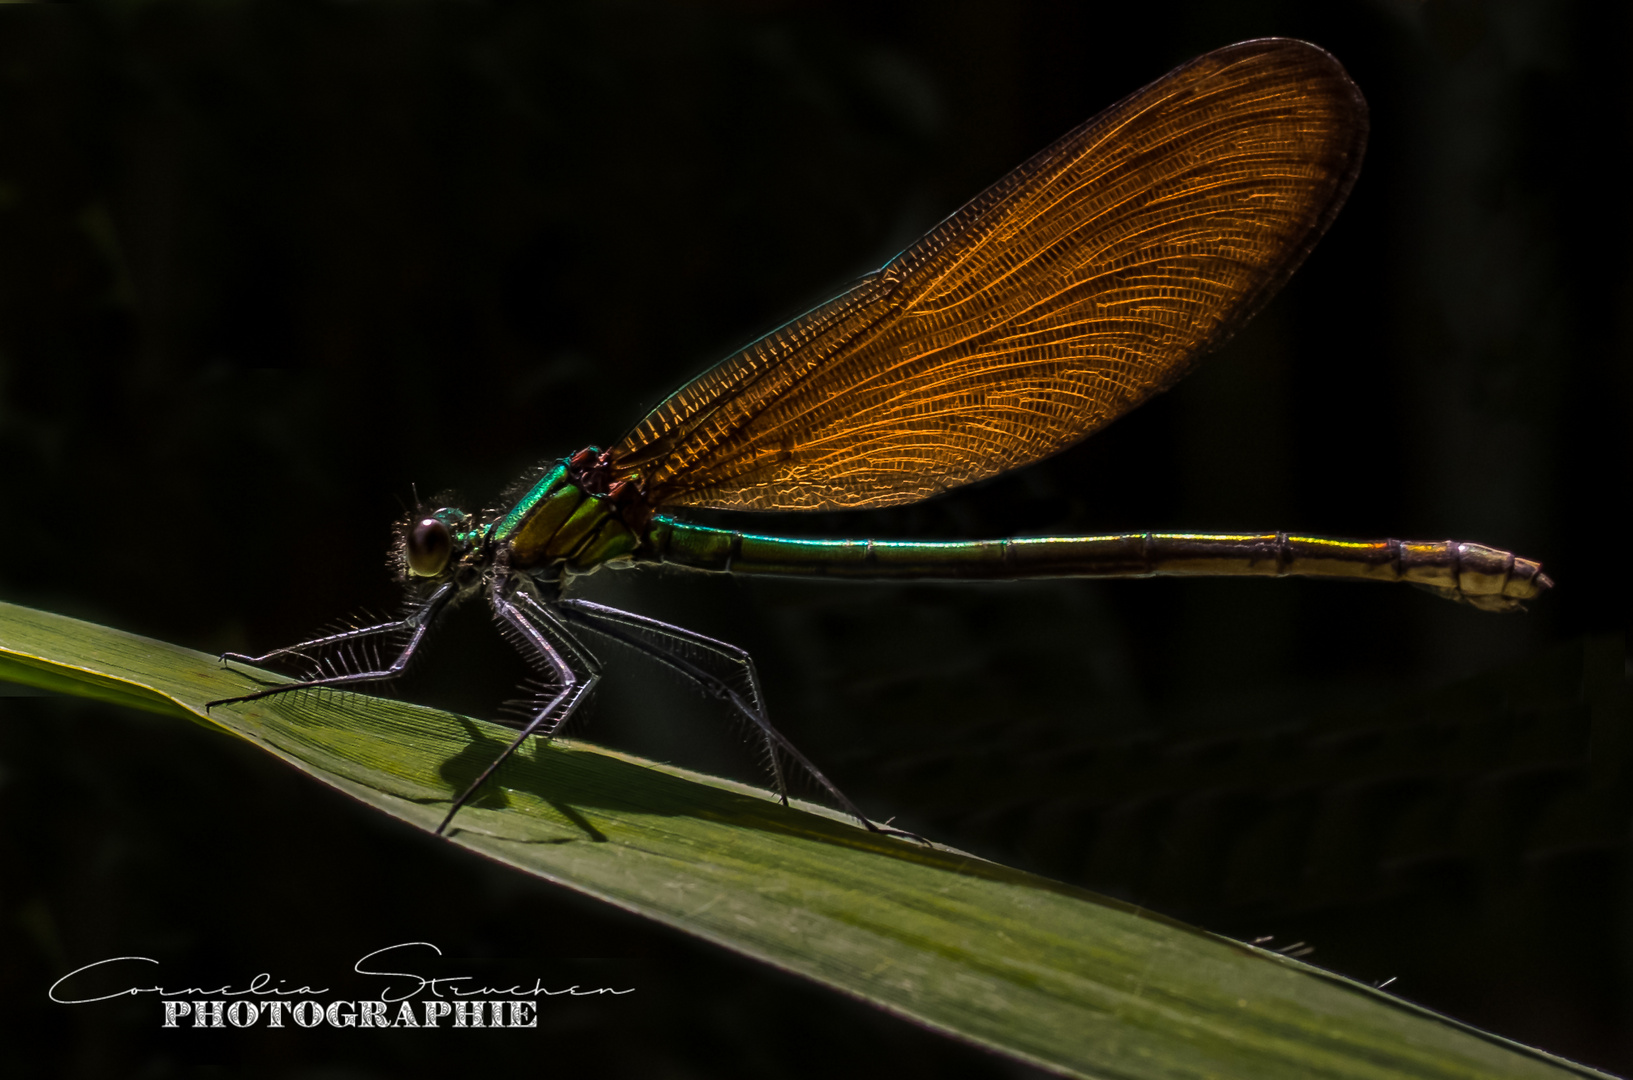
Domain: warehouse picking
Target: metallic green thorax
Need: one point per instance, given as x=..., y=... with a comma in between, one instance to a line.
x=558, y=521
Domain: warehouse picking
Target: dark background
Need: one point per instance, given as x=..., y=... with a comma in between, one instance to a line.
x=263, y=267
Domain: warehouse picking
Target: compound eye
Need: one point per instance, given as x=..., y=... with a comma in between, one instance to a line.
x=429, y=546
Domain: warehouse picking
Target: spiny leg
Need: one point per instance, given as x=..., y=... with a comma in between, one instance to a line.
x=310, y=651
x=732, y=666
x=541, y=639
x=417, y=623
x=644, y=634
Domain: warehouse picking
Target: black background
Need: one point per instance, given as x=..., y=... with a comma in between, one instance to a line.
x=265, y=266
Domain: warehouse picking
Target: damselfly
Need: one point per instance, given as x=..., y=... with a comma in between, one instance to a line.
x=1087, y=280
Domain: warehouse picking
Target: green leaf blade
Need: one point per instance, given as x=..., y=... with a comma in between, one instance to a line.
x=1041, y=971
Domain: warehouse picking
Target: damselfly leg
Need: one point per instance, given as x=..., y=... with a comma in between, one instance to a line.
x=318, y=652
x=714, y=666
x=540, y=637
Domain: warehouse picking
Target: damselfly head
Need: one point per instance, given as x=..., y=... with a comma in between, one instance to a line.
x=429, y=544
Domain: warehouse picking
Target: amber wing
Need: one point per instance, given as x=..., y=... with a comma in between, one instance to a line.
x=1084, y=282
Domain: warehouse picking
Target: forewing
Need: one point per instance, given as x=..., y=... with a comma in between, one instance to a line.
x=1084, y=282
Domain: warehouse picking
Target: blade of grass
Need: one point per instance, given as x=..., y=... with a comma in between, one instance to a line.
x=1047, y=973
